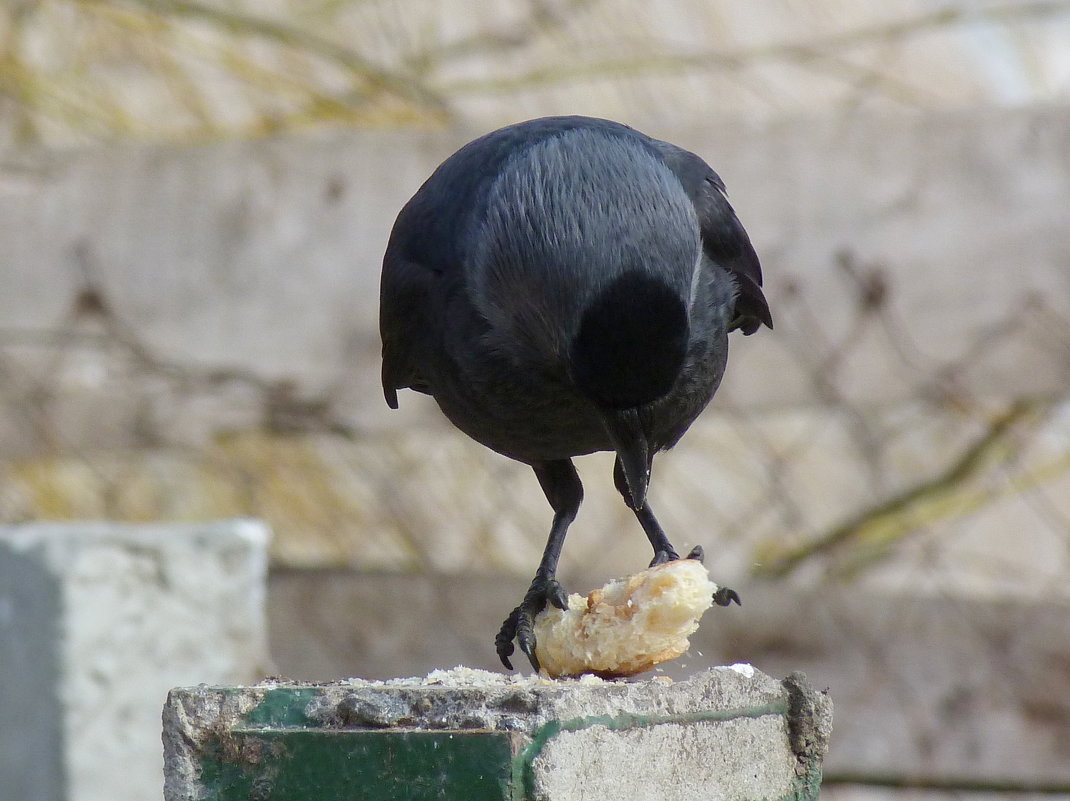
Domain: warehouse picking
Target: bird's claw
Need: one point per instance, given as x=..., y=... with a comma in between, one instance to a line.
x=663, y=556
x=724, y=596
x=556, y=595
x=520, y=625
x=503, y=641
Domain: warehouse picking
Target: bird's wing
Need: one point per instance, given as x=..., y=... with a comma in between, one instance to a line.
x=404, y=309
x=724, y=239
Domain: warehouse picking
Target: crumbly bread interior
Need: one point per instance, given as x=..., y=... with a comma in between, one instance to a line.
x=628, y=626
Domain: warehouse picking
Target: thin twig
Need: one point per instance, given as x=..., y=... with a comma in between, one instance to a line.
x=637, y=62
x=935, y=498
x=377, y=77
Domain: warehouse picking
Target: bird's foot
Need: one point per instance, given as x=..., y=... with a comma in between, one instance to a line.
x=663, y=555
x=724, y=596
x=520, y=625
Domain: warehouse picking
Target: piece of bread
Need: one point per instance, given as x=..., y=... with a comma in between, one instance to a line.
x=628, y=626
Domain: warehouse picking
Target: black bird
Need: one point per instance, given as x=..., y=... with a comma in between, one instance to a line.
x=562, y=286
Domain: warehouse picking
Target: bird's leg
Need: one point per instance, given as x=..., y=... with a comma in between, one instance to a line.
x=663, y=550
x=564, y=492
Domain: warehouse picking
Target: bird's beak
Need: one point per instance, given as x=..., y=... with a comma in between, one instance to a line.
x=629, y=440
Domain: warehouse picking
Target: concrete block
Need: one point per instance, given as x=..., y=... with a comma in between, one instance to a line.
x=729, y=733
x=97, y=622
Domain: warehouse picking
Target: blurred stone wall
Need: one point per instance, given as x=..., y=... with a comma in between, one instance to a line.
x=191, y=333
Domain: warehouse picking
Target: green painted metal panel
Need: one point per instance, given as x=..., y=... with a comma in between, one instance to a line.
x=341, y=765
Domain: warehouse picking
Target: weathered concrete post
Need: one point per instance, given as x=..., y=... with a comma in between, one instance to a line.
x=730, y=734
x=97, y=622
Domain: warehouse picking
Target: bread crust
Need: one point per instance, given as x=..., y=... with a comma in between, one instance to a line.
x=628, y=626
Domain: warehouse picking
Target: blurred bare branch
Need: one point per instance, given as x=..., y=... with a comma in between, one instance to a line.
x=375, y=77
x=96, y=69
x=828, y=53
x=873, y=532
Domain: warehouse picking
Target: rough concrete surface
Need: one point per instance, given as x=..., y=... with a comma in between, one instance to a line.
x=97, y=622
x=726, y=733
x=728, y=760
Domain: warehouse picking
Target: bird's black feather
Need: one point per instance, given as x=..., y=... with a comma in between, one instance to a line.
x=723, y=237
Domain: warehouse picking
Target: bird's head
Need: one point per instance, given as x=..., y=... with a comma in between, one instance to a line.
x=584, y=264
x=627, y=354
x=630, y=344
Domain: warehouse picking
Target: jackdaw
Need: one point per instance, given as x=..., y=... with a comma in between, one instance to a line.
x=563, y=286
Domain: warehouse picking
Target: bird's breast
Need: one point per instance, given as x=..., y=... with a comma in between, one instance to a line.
x=532, y=415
